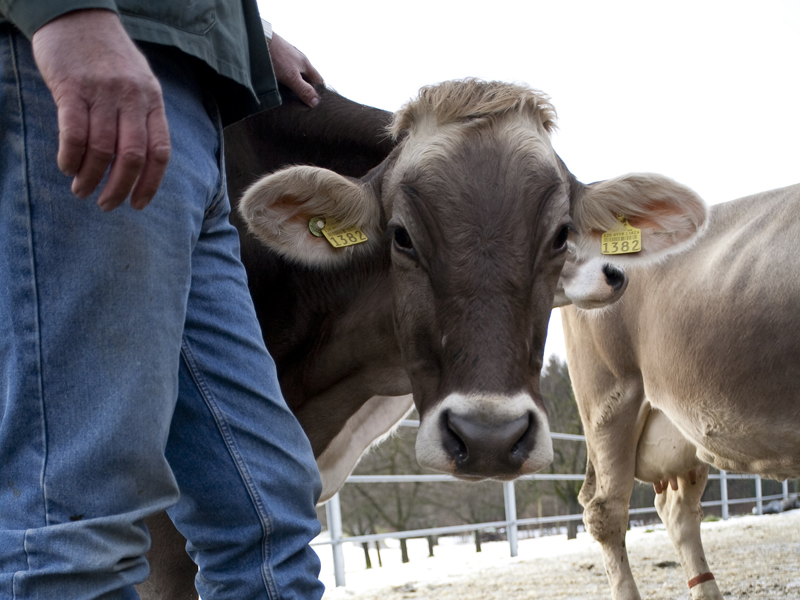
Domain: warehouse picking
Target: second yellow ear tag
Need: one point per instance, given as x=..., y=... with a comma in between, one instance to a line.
x=622, y=239
x=337, y=236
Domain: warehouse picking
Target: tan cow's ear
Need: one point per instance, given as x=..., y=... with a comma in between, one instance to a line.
x=279, y=208
x=669, y=215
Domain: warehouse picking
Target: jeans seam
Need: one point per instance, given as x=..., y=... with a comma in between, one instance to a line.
x=38, y=334
x=244, y=473
x=217, y=202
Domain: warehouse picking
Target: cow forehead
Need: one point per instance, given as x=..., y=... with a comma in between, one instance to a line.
x=465, y=100
x=431, y=142
x=501, y=170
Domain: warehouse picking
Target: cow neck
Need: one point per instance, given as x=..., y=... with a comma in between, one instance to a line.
x=335, y=345
x=300, y=308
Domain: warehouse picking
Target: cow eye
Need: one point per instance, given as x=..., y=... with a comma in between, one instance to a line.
x=402, y=241
x=560, y=241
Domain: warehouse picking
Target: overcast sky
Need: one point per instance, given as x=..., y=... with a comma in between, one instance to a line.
x=705, y=92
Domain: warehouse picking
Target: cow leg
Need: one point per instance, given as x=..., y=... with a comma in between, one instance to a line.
x=606, y=518
x=680, y=511
x=614, y=411
x=172, y=572
x=611, y=448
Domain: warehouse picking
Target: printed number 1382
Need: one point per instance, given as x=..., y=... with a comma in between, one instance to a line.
x=620, y=247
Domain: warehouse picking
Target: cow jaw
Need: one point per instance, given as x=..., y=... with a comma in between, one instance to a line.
x=480, y=436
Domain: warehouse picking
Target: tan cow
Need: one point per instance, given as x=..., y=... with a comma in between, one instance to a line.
x=698, y=363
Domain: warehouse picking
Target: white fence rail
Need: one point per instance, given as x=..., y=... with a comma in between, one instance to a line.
x=512, y=523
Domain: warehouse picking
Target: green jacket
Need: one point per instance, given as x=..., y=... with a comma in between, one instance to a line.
x=225, y=34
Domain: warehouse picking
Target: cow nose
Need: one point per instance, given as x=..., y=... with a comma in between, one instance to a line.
x=615, y=277
x=479, y=449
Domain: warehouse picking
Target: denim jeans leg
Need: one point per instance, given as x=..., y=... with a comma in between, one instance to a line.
x=92, y=309
x=92, y=315
x=245, y=468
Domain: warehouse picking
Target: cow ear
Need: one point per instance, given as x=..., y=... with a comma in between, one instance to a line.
x=669, y=215
x=279, y=208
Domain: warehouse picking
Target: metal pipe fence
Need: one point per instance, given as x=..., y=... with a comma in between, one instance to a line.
x=512, y=523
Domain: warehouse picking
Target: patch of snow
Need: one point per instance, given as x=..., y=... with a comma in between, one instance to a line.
x=453, y=558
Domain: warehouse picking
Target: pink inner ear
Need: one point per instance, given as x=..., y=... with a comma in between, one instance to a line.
x=656, y=213
x=644, y=223
x=290, y=206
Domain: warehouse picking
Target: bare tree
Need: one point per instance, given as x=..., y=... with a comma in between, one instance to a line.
x=394, y=505
x=568, y=456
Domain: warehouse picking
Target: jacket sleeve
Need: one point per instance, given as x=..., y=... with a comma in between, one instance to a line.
x=30, y=15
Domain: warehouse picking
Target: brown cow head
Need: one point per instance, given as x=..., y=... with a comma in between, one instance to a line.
x=474, y=215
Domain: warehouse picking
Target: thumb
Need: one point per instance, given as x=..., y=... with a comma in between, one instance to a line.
x=304, y=90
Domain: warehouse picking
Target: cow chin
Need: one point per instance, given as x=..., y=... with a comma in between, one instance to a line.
x=483, y=436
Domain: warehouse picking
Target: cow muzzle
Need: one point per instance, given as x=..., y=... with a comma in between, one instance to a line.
x=591, y=284
x=485, y=436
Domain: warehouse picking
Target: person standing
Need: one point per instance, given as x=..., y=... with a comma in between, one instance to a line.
x=133, y=376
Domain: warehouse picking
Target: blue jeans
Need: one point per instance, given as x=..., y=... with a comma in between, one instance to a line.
x=133, y=376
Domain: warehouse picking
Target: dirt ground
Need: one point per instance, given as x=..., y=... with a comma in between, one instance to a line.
x=753, y=558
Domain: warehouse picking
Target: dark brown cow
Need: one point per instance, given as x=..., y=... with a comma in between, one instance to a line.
x=469, y=222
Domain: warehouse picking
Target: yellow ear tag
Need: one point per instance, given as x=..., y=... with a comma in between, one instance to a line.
x=339, y=237
x=622, y=239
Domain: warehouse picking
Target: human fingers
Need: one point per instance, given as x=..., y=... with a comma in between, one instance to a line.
x=303, y=89
x=158, y=152
x=88, y=56
x=129, y=159
x=100, y=147
x=311, y=74
x=294, y=70
x=73, y=133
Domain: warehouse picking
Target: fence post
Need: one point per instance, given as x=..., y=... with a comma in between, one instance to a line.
x=785, y=489
x=723, y=492
x=333, y=510
x=759, y=502
x=511, y=515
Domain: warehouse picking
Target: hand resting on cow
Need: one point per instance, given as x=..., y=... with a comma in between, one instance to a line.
x=470, y=219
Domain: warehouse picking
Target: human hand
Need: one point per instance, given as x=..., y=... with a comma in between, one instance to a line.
x=110, y=107
x=293, y=70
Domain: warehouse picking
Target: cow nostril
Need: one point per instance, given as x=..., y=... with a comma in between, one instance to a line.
x=481, y=448
x=615, y=277
x=453, y=444
x=524, y=445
